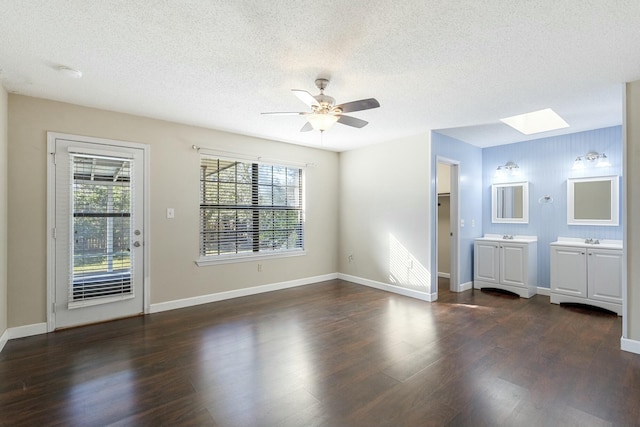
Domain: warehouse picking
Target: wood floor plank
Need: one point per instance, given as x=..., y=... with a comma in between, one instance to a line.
x=326, y=355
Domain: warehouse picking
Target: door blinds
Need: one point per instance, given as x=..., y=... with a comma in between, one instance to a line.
x=101, y=228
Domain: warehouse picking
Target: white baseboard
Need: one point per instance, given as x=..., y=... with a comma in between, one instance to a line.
x=389, y=288
x=444, y=275
x=27, y=330
x=4, y=338
x=465, y=286
x=631, y=346
x=220, y=296
x=544, y=291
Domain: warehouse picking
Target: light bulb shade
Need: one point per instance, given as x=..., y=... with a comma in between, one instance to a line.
x=578, y=164
x=322, y=122
x=603, y=161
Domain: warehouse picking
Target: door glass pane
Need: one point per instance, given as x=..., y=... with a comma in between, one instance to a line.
x=101, y=228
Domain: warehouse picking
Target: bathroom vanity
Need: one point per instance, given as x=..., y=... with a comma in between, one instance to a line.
x=587, y=271
x=506, y=262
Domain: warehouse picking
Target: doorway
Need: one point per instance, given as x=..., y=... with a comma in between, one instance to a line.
x=97, y=260
x=447, y=220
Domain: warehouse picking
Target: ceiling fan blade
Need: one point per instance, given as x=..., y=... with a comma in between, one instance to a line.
x=363, y=104
x=305, y=97
x=284, y=114
x=352, y=121
x=307, y=127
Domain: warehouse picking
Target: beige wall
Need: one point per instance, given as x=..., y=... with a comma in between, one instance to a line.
x=174, y=183
x=3, y=208
x=632, y=172
x=384, y=213
x=444, y=178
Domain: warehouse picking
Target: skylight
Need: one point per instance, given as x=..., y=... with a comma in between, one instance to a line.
x=536, y=122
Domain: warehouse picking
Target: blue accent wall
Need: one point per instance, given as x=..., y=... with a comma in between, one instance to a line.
x=470, y=195
x=546, y=164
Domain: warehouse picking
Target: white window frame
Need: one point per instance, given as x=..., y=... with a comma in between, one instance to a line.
x=253, y=256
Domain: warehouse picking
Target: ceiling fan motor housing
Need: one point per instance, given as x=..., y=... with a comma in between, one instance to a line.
x=325, y=102
x=322, y=84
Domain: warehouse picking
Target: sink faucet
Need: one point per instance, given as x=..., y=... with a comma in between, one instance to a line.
x=588, y=241
x=507, y=237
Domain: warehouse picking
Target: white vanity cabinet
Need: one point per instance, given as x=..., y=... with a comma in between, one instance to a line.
x=508, y=264
x=587, y=273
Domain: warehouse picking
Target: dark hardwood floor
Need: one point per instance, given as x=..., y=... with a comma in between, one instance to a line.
x=330, y=354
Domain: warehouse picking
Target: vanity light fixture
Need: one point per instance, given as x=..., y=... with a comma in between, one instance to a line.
x=601, y=160
x=510, y=168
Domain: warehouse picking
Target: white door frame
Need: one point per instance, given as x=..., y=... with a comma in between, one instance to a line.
x=51, y=283
x=454, y=278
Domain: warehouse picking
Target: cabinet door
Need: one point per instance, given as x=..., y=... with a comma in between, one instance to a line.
x=513, y=264
x=605, y=275
x=569, y=270
x=486, y=262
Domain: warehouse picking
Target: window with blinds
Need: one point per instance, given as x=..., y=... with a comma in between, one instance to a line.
x=249, y=208
x=101, y=228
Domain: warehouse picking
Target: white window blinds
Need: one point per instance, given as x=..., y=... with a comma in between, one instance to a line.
x=249, y=208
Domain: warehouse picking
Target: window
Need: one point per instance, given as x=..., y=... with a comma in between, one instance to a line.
x=249, y=209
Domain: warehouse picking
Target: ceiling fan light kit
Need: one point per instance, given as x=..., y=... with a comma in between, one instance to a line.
x=324, y=111
x=322, y=122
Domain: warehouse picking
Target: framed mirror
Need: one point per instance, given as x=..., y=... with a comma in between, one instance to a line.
x=510, y=203
x=593, y=201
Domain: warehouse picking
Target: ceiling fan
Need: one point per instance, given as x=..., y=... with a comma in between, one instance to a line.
x=324, y=111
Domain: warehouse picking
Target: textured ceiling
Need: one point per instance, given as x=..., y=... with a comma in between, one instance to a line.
x=457, y=66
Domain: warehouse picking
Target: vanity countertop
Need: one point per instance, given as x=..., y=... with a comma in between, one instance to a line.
x=579, y=242
x=516, y=238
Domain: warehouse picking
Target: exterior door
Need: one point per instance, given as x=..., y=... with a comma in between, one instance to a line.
x=98, y=231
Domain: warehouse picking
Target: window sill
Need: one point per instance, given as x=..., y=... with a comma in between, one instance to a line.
x=206, y=261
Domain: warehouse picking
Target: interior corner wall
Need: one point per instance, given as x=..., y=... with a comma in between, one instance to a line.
x=174, y=176
x=632, y=172
x=469, y=196
x=385, y=225
x=4, y=112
